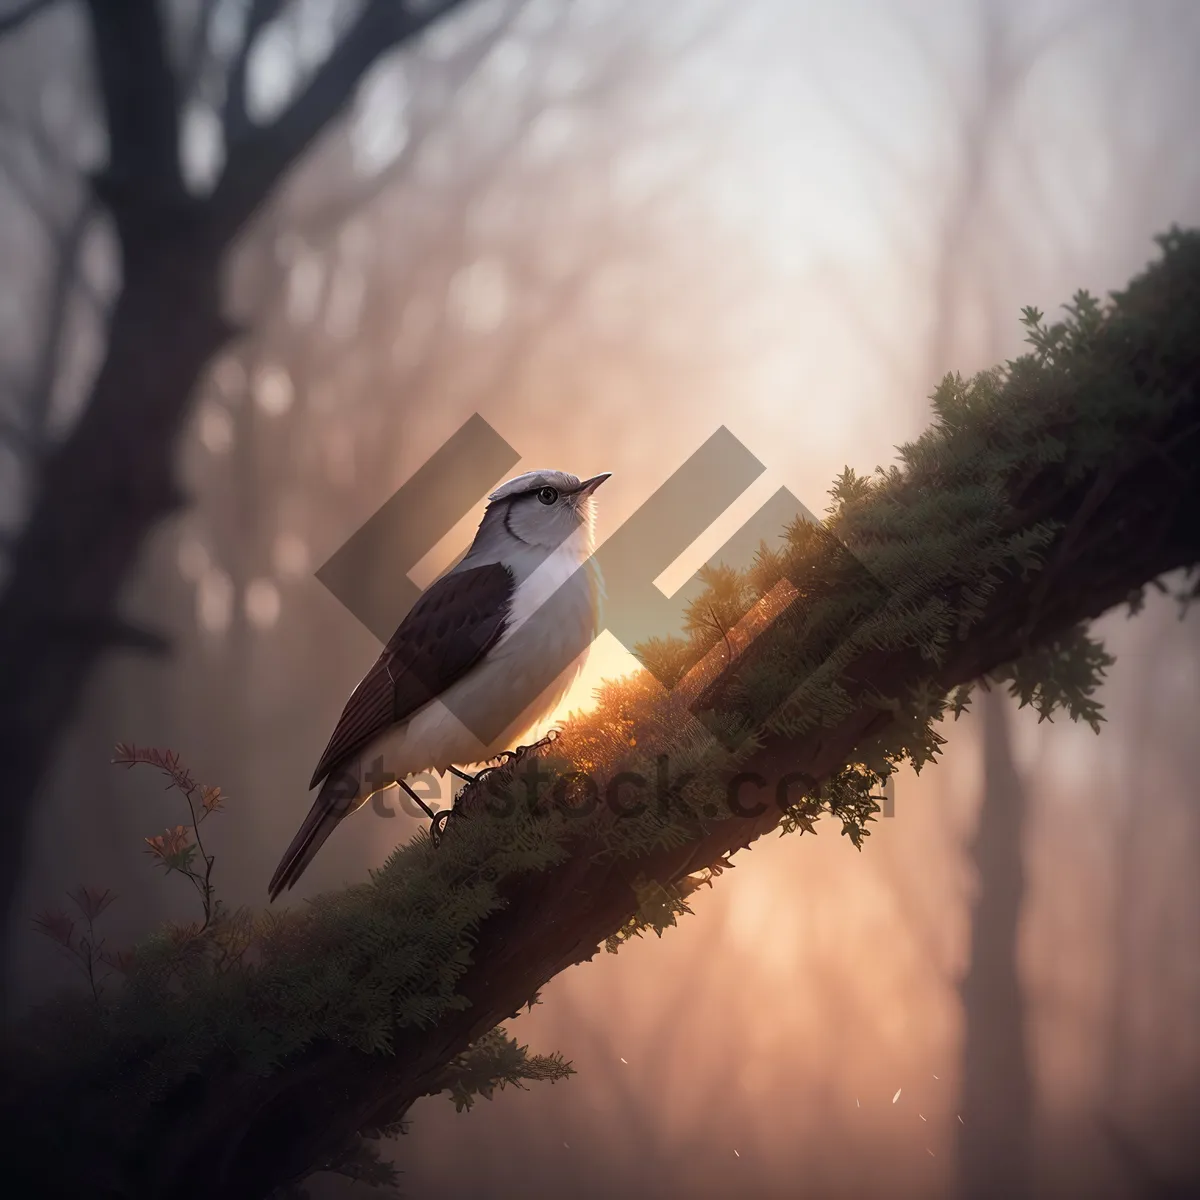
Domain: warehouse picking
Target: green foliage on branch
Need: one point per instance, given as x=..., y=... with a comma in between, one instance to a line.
x=907, y=562
x=494, y=1062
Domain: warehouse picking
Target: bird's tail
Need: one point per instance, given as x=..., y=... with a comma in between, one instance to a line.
x=333, y=802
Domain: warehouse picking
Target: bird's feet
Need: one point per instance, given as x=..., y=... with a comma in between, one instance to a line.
x=437, y=819
x=437, y=827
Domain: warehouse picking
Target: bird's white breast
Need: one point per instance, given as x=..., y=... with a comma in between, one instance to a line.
x=536, y=589
x=447, y=731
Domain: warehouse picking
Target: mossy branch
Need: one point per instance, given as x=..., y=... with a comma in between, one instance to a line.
x=1043, y=493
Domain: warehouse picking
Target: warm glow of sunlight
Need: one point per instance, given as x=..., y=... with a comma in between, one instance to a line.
x=607, y=659
x=609, y=230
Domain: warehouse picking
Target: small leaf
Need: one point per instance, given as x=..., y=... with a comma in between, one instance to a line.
x=57, y=926
x=167, y=761
x=172, y=848
x=211, y=798
x=92, y=901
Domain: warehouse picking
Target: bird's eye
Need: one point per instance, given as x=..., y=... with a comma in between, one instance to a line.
x=547, y=495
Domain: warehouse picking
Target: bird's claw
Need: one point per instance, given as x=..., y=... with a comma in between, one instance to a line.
x=437, y=827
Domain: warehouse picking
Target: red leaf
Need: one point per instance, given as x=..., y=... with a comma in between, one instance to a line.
x=92, y=901
x=169, y=844
x=57, y=926
x=167, y=761
x=211, y=798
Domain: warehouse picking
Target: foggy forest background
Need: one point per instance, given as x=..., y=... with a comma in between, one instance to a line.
x=610, y=228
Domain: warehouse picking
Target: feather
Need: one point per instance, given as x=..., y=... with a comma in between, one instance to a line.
x=452, y=626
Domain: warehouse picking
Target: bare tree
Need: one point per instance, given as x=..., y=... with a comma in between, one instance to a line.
x=111, y=479
x=995, y=1139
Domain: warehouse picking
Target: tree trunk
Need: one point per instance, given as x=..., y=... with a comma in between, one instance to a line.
x=994, y=1139
x=101, y=492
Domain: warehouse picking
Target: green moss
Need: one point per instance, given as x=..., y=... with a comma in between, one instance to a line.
x=906, y=559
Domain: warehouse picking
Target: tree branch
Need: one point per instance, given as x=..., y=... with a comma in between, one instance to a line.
x=141, y=108
x=196, y=57
x=315, y=225
x=117, y=633
x=235, y=119
x=540, y=890
x=13, y=19
x=257, y=163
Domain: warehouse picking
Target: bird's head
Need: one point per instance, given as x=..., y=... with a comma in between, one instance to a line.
x=544, y=508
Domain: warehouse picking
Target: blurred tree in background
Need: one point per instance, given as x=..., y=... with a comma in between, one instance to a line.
x=96, y=493
x=657, y=221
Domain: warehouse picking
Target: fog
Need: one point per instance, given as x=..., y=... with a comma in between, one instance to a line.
x=611, y=229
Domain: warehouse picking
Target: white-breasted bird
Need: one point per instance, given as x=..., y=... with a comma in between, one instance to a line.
x=485, y=654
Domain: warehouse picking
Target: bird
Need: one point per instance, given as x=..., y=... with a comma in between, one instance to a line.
x=486, y=653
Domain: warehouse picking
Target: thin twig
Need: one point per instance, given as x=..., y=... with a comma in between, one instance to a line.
x=722, y=631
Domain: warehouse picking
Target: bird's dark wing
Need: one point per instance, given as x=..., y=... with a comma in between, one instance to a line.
x=453, y=625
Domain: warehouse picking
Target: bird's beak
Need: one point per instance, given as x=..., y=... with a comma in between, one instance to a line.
x=588, y=486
